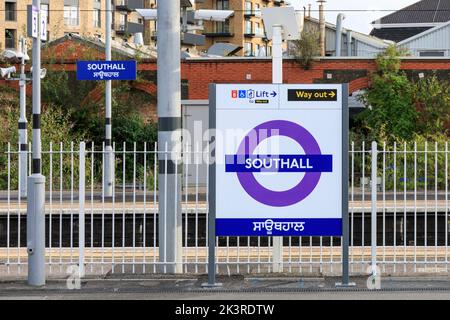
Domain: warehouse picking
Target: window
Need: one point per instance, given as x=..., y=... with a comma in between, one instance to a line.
x=10, y=11
x=96, y=18
x=45, y=11
x=10, y=39
x=122, y=22
x=71, y=17
x=431, y=53
x=223, y=4
x=258, y=50
x=223, y=27
x=258, y=30
x=248, y=7
x=248, y=49
x=257, y=10
x=248, y=27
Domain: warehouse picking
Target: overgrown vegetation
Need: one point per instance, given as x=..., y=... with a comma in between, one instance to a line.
x=402, y=114
x=399, y=109
x=306, y=49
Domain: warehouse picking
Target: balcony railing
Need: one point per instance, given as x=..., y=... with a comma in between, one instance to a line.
x=129, y=5
x=128, y=28
x=218, y=29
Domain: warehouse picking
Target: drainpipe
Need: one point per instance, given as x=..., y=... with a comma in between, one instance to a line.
x=339, y=20
x=349, y=43
x=322, y=27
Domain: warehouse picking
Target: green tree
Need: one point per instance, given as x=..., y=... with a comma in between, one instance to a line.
x=390, y=112
x=432, y=100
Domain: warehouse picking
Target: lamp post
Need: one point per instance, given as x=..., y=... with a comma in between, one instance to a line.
x=108, y=155
x=23, y=135
x=36, y=182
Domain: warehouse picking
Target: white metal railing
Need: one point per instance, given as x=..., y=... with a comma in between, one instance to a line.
x=404, y=197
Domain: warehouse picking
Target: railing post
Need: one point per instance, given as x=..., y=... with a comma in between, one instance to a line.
x=81, y=200
x=374, y=208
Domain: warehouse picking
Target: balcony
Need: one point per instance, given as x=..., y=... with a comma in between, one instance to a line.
x=249, y=13
x=128, y=28
x=129, y=5
x=218, y=29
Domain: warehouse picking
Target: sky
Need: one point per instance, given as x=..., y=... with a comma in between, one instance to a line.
x=358, y=21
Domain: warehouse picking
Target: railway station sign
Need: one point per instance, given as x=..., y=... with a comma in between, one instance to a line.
x=278, y=167
x=106, y=70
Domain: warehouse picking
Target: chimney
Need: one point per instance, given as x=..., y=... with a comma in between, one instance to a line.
x=338, y=44
x=322, y=27
x=309, y=10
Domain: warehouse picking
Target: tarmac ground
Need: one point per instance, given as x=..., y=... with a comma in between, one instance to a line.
x=238, y=288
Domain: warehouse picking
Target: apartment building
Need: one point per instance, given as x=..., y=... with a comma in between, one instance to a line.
x=83, y=17
x=244, y=29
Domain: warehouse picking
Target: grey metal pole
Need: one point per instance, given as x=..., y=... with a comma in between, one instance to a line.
x=169, y=135
x=109, y=156
x=23, y=135
x=374, y=209
x=36, y=182
x=277, y=78
x=345, y=219
x=212, y=197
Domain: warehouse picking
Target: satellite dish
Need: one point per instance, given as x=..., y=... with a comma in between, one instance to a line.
x=138, y=39
x=284, y=17
x=223, y=49
x=9, y=54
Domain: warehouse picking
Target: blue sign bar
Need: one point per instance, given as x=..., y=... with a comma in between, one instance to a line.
x=106, y=70
x=279, y=227
x=279, y=163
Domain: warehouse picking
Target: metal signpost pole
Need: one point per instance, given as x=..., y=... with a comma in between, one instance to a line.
x=23, y=135
x=345, y=218
x=374, y=208
x=277, y=78
x=169, y=136
x=109, y=156
x=36, y=182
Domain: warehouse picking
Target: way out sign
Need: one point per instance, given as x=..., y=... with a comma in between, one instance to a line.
x=280, y=159
x=106, y=70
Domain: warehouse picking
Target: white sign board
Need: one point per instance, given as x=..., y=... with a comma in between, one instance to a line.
x=278, y=167
x=34, y=23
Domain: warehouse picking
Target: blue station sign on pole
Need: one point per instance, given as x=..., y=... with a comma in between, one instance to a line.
x=106, y=70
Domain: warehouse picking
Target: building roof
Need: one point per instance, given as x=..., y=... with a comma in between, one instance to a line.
x=425, y=11
x=429, y=31
x=397, y=34
x=369, y=39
